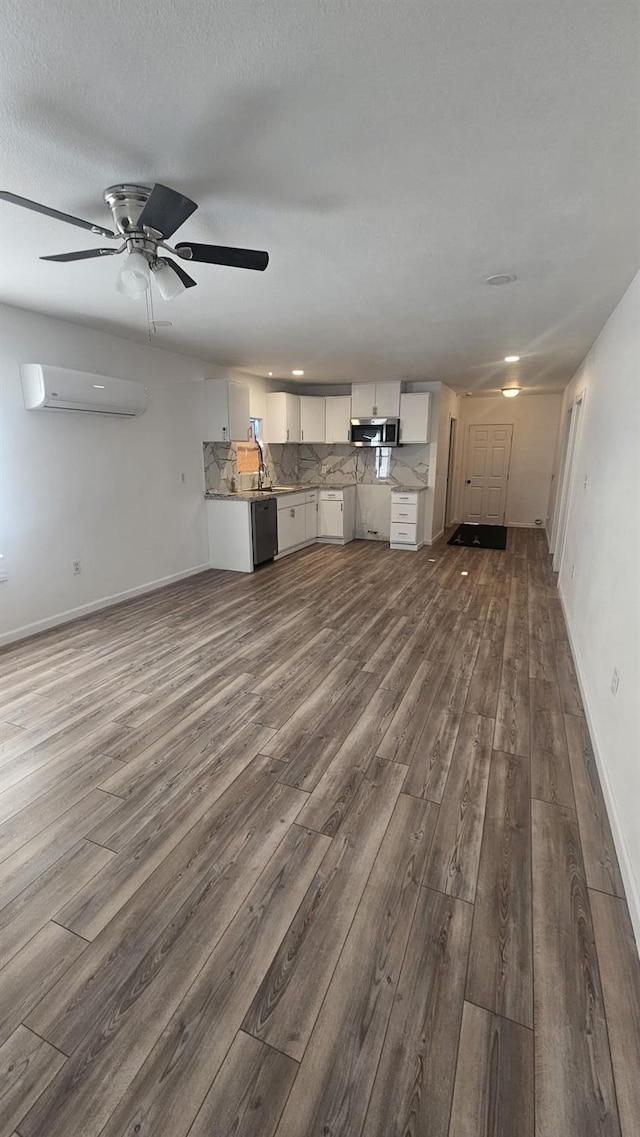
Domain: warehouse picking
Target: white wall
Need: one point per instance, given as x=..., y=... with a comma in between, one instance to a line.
x=599, y=575
x=535, y=421
x=107, y=491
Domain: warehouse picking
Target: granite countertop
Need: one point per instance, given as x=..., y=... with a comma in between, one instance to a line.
x=279, y=491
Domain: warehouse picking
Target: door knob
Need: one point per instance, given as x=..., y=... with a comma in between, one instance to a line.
x=468, y=481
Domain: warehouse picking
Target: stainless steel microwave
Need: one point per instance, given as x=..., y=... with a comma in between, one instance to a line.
x=375, y=431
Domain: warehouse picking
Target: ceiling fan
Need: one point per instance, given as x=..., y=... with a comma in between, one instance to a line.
x=143, y=220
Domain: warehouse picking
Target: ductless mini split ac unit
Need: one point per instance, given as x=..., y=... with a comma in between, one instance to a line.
x=45, y=387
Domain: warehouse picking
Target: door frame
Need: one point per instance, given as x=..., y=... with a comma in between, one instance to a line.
x=450, y=494
x=571, y=434
x=463, y=478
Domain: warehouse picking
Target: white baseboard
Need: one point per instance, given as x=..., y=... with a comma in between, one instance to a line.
x=626, y=867
x=435, y=538
x=96, y=605
x=523, y=525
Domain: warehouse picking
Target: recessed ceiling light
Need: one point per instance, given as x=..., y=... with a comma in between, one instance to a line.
x=501, y=278
x=464, y=574
x=297, y=372
x=99, y=386
x=510, y=392
x=512, y=358
x=270, y=373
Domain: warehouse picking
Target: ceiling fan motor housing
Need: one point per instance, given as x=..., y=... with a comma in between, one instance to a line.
x=126, y=203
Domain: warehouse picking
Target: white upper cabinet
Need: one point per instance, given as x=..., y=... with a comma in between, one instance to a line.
x=376, y=400
x=414, y=417
x=312, y=416
x=283, y=417
x=226, y=417
x=338, y=419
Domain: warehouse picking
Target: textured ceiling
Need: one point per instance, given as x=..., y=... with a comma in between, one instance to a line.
x=389, y=154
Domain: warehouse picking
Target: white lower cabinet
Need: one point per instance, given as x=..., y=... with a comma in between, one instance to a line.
x=297, y=521
x=408, y=519
x=337, y=515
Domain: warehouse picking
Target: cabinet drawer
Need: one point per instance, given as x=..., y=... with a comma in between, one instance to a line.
x=331, y=495
x=403, y=534
x=291, y=500
x=311, y=497
x=404, y=513
x=404, y=497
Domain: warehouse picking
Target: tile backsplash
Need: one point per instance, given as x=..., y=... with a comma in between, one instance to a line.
x=319, y=464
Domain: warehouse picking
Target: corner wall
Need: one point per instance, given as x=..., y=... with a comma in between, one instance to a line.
x=106, y=491
x=599, y=575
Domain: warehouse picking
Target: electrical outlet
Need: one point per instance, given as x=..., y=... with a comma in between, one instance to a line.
x=76, y=568
x=573, y=571
x=183, y=479
x=615, y=681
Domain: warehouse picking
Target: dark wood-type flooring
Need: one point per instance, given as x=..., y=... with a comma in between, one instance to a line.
x=317, y=852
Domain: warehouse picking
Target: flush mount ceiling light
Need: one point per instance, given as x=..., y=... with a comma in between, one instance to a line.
x=512, y=358
x=297, y=372
x=501, y=278
x=510, y=392
x=270, y=373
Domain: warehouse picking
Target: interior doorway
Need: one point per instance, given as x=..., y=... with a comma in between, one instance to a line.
x=559, y=530
x=450, y=503
x=486, y=474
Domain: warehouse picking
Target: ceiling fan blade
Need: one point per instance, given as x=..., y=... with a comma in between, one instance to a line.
x=187, y=280
x=83, y=255
x=14, y=199
x=165, y=210
x=220, y=255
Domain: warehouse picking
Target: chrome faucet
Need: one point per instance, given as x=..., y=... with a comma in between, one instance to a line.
x=262, y=468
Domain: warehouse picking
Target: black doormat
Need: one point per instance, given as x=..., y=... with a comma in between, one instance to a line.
x=480, y=536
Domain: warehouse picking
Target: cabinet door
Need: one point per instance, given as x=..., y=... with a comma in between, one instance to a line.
x=312, y=410
x=331, y=518
x=238, y=402
x=292, y=418
x=363, y=397
x=387, y=400
x=338, y=419
x=414, y=417
x=310, y=521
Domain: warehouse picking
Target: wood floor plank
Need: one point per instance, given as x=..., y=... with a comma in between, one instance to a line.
x=333, y=794
x=598, y=849
x=512, y=714
x=93, y=907
x=431, y=756
x=33, y=971
x=550, y=769
x=287, y=1002
x=406, y=726
x=121, y=1039
x=567, y=678
x=42, y=804
x=41, y=900
x=620, y=975
x=249, y=1092
x=500, y=976
x=164, y=1098
x=414, y=1081
x=334, y=1082
x=573, y=1077
x=318, y=705
x=493, y=1094
x=453, y=860
x=42, y=851
x=27, y=1065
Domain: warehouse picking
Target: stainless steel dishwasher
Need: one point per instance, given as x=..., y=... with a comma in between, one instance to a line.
x=264, y=529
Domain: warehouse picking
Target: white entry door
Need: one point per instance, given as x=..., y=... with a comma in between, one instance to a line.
x=486, y=473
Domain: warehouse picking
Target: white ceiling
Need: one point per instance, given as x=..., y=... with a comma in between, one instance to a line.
x=389, y=154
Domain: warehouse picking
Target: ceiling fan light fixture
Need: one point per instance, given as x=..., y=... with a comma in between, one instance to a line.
x=133, y=278
x=168, y=281
x=510, y=392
